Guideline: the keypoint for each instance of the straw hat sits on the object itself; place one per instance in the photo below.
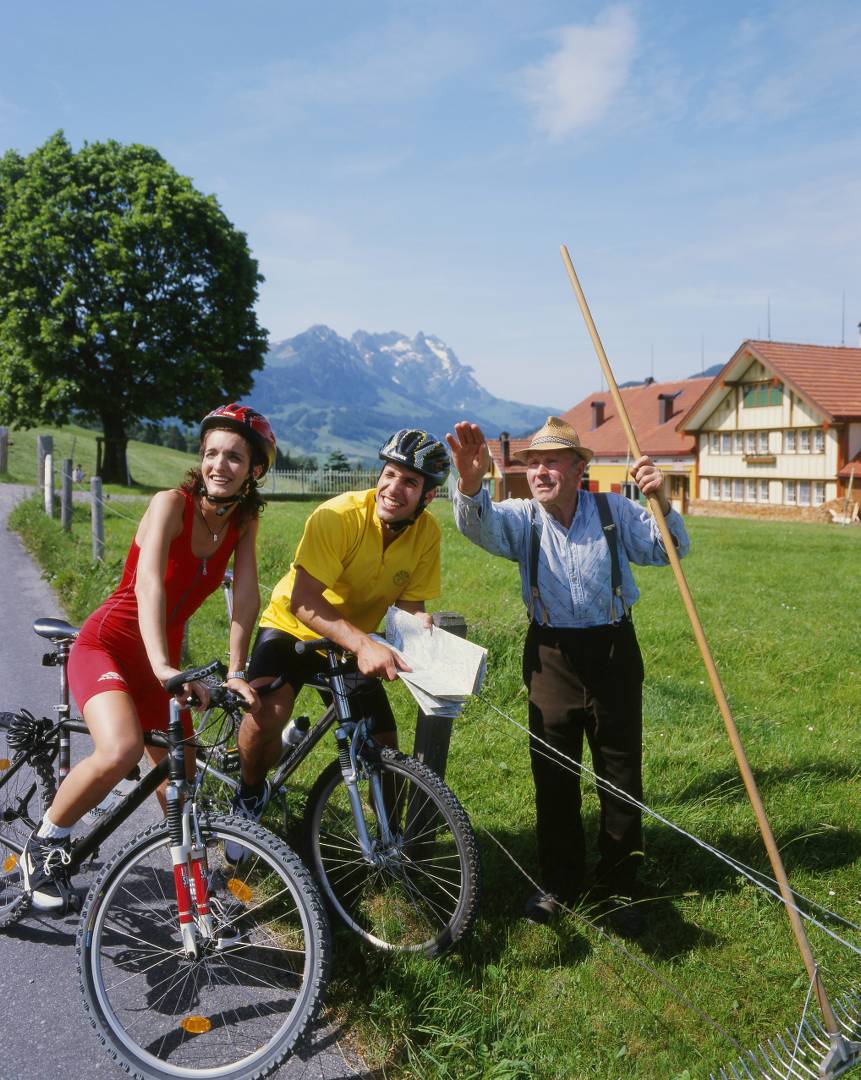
(555, 435)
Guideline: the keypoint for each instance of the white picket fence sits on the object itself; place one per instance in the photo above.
(324, 482)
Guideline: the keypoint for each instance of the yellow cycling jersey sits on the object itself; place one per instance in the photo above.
(342, 546)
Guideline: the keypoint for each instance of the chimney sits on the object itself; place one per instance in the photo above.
(859, 335)
(597, 414)
(504, 446)
(665, 406)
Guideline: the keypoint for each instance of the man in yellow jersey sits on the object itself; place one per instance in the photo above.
(361, 552)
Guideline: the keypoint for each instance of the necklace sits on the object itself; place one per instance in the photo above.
(215, 535)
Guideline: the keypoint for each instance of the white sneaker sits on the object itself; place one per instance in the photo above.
(252, 810)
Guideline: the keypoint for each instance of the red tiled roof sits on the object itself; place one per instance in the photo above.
(608, 440)
(642, 406)
(514, 467)
(830, 376)
(852, 466)
(827, 376)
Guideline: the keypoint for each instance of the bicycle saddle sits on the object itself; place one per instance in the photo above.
(55, 629)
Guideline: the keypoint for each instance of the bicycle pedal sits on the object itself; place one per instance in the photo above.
(228, 760)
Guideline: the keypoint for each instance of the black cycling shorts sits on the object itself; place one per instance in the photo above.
(274, 654)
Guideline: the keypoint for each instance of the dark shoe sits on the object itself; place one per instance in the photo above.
(43, 864)
(626, 917)
(543, 907)
(252, 810)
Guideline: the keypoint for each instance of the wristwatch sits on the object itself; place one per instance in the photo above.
(235, 675)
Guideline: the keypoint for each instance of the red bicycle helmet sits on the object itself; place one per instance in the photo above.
(251, 424)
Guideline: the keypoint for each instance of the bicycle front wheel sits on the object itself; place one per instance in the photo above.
(25, 795)
(235, 1010)
(418, 891)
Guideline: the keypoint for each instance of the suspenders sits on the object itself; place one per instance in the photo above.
(537, 611)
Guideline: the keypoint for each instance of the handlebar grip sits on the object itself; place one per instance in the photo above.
(314, 645)
(192, 675)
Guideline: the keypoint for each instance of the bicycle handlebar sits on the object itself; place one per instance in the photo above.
(314, 645)
(193, 675)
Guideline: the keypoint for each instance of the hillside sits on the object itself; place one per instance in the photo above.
(152, 467)
(323, 392)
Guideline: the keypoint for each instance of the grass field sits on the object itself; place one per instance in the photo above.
(780, 605)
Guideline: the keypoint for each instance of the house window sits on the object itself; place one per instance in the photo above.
(804, 493)
(737, 442)
(819, 441)
(738, 490)
(763, 491)
(762, 442)
(750, 491)
(750, 442)
(789, 492)
(726, 443)
(818, 492)
(789, 441)
(804, 440)
(715, 443)
(725, 489)
(757, 395)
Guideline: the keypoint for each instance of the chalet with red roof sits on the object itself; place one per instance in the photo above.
(780, 425)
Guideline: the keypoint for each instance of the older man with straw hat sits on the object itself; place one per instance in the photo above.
(581, 660)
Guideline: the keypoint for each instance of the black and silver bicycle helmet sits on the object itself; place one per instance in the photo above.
(420, 451)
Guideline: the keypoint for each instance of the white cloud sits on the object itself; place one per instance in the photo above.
(575, 86)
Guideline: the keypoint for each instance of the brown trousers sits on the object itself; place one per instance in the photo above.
(586, 682)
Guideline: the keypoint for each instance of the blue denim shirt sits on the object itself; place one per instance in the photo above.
(574, 563)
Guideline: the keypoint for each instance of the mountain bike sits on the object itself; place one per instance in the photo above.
(190, 966)
(390, 845)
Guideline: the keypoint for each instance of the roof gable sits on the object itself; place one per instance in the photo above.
(826, 377)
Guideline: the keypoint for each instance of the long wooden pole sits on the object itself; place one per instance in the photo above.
(716, 685)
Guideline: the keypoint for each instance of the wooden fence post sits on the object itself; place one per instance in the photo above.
(49, 485)
(66, 495)
(44, 446)
(97, 517)
(433, 733)
(4, 450)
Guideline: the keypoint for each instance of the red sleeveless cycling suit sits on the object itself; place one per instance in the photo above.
(109, 653)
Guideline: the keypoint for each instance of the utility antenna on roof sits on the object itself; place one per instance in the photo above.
(652, 361)
(843, 321)
(702, 353)
(769, 318)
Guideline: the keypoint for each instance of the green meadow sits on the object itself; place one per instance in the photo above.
(780, 606)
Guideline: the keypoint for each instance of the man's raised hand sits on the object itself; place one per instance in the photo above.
(470, 455)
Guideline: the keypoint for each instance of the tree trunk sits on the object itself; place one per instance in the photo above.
(114, 468)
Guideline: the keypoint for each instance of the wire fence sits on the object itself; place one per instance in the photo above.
(325, 482)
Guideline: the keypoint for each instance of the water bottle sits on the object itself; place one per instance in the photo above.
(113, 798)
(295, 731)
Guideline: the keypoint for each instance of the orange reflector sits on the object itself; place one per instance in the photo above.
(196, 1025)
(9, 863)
(240, 890)
(4, 763)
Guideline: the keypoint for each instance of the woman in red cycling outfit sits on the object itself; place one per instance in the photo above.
(130, 646)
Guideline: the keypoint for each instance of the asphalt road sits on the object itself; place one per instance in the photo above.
(43, 1029)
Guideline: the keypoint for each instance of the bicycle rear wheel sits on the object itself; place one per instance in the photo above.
(419, 892)
(25, 795)
(235, 1011)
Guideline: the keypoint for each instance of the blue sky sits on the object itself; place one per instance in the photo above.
(415, 166)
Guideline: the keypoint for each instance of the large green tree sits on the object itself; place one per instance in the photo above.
(125, 293)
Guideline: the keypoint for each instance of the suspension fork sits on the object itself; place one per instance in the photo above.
(348, 758)
(188, 854)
